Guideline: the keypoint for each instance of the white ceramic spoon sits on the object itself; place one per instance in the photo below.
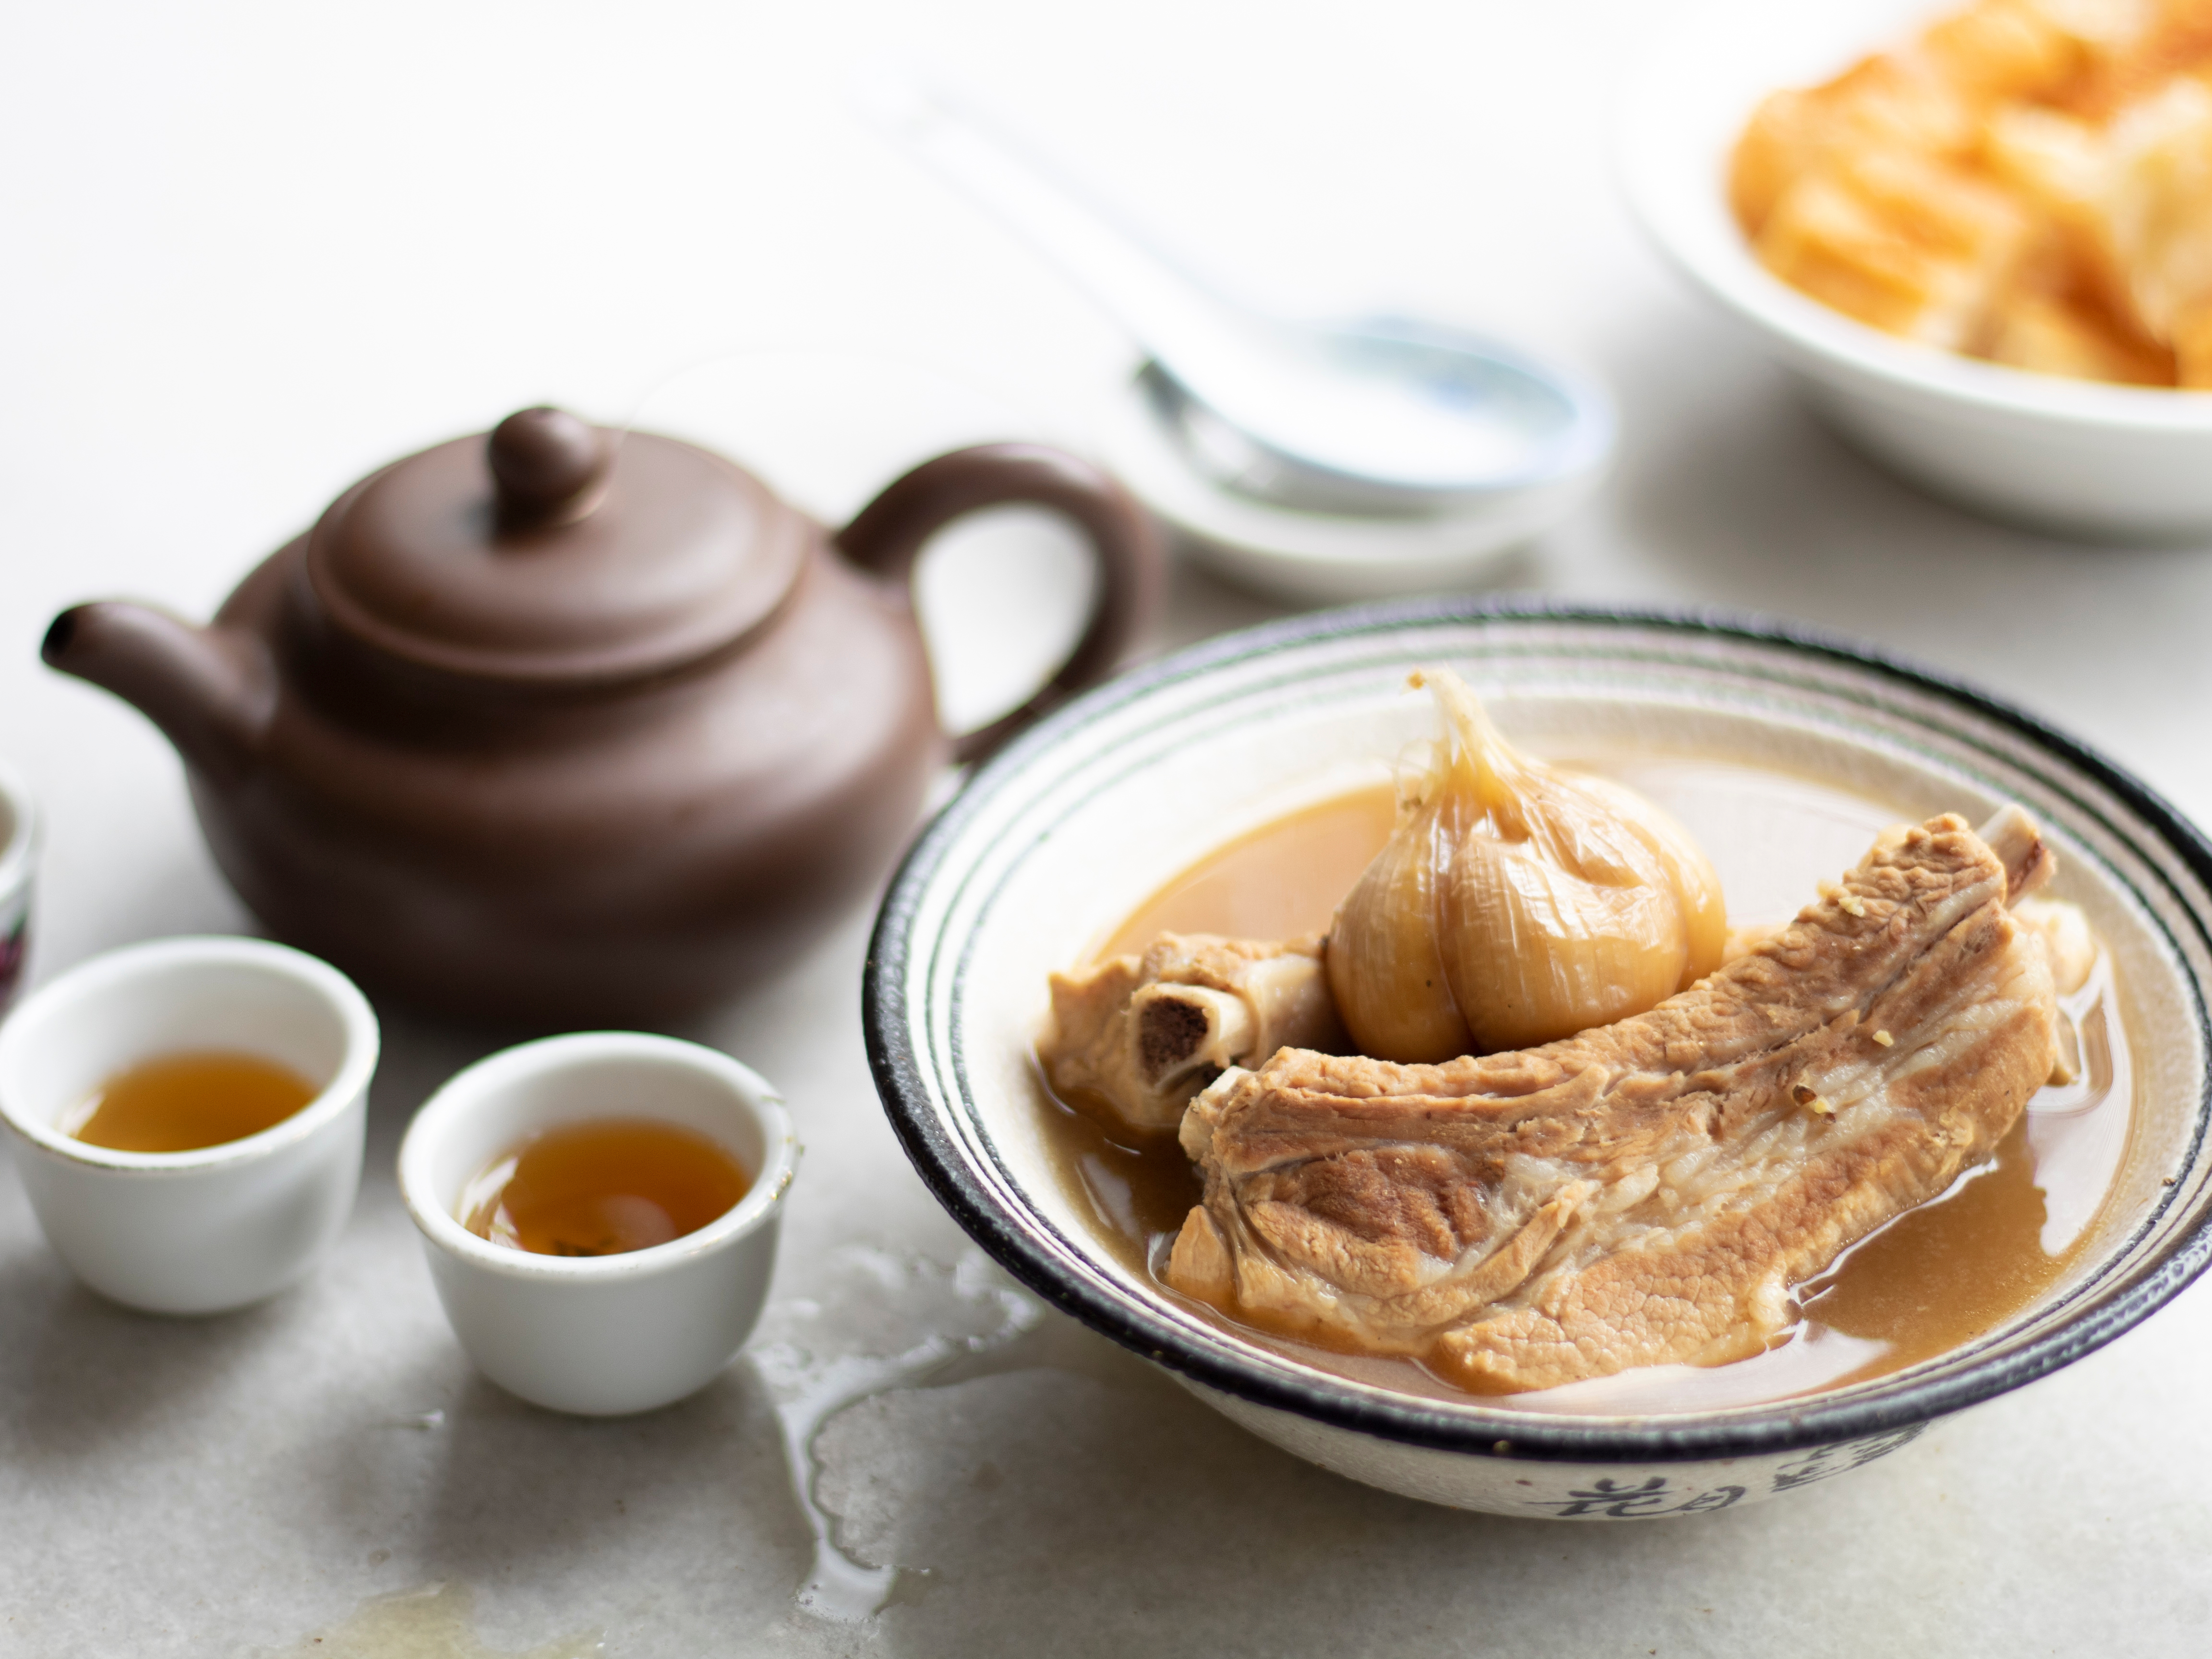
(1387, 415)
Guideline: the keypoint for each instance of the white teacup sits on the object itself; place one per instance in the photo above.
(603, 1335)
(219, 1226)
(19, 857)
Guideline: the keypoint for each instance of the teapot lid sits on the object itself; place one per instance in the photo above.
(551, 551)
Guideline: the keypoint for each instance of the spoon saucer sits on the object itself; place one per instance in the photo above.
(1315, 557)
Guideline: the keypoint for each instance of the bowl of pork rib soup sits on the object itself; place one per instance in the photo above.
(1564, 1062)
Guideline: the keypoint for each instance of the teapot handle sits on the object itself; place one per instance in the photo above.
(890, 532)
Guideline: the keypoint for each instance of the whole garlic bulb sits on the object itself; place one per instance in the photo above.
(1515, 904)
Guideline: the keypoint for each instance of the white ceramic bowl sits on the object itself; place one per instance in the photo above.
(2081, 459)
(1059, 837)
(200, 1232)
(19, 860)
(600, 1336)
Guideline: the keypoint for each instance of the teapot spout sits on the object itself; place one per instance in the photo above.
(211, 690)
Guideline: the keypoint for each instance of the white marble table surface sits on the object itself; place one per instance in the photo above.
(253, 250)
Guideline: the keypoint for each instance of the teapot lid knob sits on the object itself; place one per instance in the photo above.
(550, 468)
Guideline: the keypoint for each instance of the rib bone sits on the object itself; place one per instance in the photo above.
(1144, 1035)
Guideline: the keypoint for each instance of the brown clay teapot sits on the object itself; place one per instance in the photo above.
(562, 726)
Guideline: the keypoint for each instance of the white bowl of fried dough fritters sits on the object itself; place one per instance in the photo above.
(2080, 458)
(1057, 840)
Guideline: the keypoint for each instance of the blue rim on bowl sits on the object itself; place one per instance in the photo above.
(916, 978)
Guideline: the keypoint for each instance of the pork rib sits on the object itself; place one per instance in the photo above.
(1646, 1192)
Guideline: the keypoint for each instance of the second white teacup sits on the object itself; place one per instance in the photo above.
(600, 1335)
(219, 1226)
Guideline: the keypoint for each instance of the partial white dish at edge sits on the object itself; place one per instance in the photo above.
(2077, 458)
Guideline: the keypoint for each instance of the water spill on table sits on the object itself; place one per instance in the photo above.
(884, 1321)
(435, 1623)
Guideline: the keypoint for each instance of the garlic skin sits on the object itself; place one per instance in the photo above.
(1386, 965)
(1697, 884)
(1515, 904)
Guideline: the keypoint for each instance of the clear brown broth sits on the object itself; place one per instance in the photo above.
(1936, 1278)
